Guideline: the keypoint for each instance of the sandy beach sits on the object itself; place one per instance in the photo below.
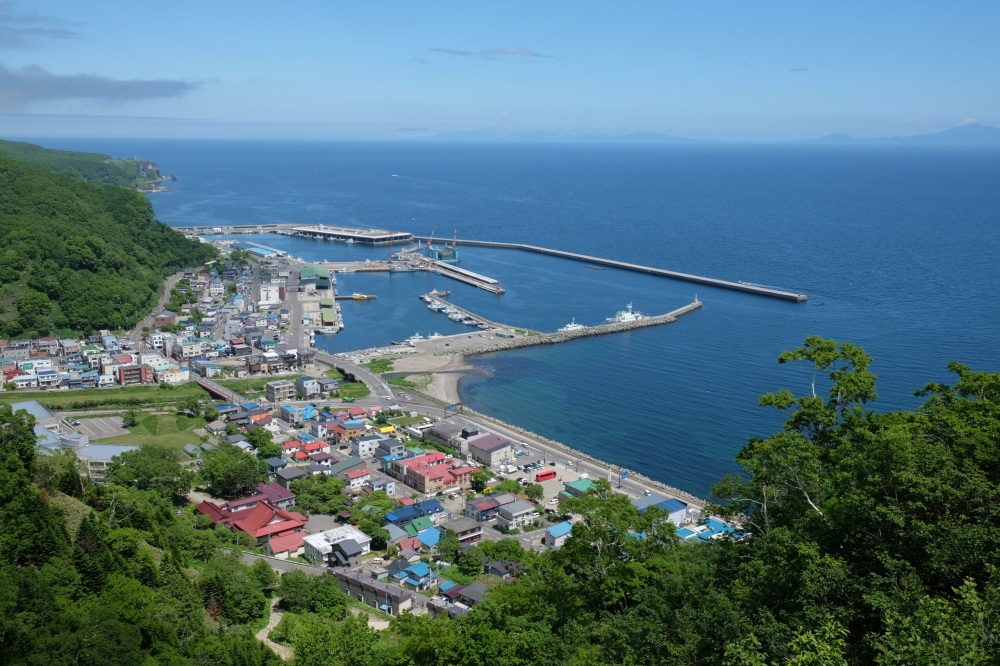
(446, 370)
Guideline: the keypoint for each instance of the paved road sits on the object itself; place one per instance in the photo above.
(283, 566)
(147, 322)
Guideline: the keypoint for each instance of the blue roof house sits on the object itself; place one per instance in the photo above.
(556, 535)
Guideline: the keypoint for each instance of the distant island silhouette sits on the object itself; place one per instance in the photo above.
(972, 134)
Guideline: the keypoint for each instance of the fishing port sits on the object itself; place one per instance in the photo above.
(443, 260)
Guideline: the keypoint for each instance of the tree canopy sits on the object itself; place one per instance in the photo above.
(78, 257)
(864, 537)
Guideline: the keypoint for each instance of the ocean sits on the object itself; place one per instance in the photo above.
(895, 247)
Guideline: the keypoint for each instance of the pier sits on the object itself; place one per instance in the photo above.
(649, 270)
(369, 237)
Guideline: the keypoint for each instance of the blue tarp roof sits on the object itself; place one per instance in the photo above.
(446, 585)
(419, 569)
(430, 537)
(672, 505)
(560, 529)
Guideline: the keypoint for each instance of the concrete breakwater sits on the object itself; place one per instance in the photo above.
(637, 268)
(535, 339)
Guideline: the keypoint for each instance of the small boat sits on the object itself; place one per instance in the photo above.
(416, 337)
(362, 297)
(328, 330)
(435, 336)
(572, 326)
(596, 268)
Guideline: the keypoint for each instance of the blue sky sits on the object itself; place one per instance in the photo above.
(719, 69)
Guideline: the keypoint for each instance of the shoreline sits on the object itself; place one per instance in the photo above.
(447, 371)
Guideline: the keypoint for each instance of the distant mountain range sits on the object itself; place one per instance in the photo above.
(487, 135)
(973, 134)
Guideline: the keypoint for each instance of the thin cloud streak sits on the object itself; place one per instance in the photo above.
(22, 87)
(21, 31)
(511, 52)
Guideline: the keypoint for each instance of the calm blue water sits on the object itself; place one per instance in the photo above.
(895, 247)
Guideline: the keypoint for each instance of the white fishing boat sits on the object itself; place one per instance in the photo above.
(625, 316)
(572, 326)
(435, 336)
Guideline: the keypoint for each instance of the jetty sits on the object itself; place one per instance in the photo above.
(534, 338)
(638, 268)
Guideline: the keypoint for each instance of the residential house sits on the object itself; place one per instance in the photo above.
(365, 446)
(319, 546)
(472, 594)
(307, 387)
(387, 598)
(357, 478)
(556, 535)
(390, 446)
(279, 391)
(517, 514)
(285, 476)
(327, 387)
(445, 433)
(466, 529)
(416, 576)
(286, 546)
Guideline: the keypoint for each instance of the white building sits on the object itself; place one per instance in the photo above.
(318, 546)
(516, 514)
(270, 294)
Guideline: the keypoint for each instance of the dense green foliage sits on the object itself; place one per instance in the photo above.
(229, 472)
(88, 167)
(134, 583)
(871, 538)
(78, 257)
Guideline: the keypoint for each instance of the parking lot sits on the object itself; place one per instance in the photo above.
(101, 427)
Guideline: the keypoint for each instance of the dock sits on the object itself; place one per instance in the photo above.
(369, 237)
(355, 297)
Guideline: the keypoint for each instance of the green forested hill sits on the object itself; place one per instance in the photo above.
(871, 538)
(76, 256)
(90, 167)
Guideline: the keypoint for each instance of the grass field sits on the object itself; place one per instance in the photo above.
(252, 386)
(418, 381)
(354, 390)
(167, 430)
(107, 397)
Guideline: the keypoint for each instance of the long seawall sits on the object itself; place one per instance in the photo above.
(565, 336)
(649, 270)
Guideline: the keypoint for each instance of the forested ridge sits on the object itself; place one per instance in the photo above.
(89, 167)
(78, 257)
(871, 538)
